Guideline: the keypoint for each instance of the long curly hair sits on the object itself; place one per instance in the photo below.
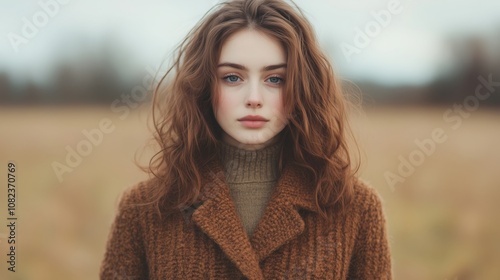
(317, 133)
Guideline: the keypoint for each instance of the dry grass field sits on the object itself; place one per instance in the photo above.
(442, 218)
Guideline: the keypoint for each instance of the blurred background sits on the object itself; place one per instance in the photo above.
(75, 95)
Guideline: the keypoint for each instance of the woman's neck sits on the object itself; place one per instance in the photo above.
(226, 138)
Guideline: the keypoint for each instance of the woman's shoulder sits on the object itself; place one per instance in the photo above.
(137, 194)
(366, 196)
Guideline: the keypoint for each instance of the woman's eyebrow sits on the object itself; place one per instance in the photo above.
(241, 67)
(273, 67)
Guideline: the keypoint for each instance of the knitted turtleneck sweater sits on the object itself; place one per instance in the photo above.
(251, 176)
(209, 240)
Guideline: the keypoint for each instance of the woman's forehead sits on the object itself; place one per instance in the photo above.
(252, 49)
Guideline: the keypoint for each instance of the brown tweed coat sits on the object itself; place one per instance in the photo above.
(209, 241)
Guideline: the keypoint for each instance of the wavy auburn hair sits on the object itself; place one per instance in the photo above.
(315, 138)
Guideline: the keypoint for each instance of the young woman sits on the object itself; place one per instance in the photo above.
(254, 179)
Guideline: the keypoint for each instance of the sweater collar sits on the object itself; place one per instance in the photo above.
(281, 222)
(244, 166)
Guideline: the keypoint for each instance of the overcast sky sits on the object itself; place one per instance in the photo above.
(409, 49)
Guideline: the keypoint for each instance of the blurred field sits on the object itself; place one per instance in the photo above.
(443, 219)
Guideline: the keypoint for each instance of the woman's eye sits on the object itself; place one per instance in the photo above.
(231, 78)
(275, 80)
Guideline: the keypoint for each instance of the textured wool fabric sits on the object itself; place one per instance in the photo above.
(210, 242)
(251, 177)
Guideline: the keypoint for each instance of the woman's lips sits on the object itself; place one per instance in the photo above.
(253, 121)
(253, 124)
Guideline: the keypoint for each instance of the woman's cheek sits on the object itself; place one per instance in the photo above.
(228, 100)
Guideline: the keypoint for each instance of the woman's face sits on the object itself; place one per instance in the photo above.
(251, 73)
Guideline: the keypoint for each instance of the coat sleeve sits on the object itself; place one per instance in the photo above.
(371, 257)
(125, 254)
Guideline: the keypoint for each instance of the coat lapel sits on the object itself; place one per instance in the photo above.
(281, 222)
(219, 219)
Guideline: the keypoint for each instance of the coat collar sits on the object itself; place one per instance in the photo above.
(281, 221)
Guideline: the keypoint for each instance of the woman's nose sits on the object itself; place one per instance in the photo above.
(254, 99)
